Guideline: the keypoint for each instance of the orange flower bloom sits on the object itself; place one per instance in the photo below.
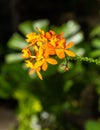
(43, 59)
(31, 37)
(63, 50)
(48, 60)
(49, 49)
(37, 70)
(26, 53)
(42, 48)
(33, 68)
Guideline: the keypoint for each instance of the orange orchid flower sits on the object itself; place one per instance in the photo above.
(37, 70)
(30, 37)
(33, 68)
(49, 49)
(48, 60)
(64, 50)
(26, 53)
(44, 63)
(42, 48)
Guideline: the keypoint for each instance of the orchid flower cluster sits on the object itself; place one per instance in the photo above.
(42, 49)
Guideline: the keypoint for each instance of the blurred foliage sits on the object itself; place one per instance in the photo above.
(41, 103)
(92, 125)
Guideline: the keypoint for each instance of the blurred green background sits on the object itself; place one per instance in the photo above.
(63, 100)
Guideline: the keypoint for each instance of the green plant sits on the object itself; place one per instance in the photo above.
(59, 91)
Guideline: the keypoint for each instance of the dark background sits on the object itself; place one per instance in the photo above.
(12, 12)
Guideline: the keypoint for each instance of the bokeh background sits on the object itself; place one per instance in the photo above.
(62, 101)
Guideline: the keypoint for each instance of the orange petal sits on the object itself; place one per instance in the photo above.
(35, 48)
(60, 53)
(48, 35)
(39, 54)
(46, 54)
(44, 66)
(69, 45)
(60, 35)
(26, 53)
(61, 43)
(29, 64)
(51, 61)
(38, 64)
(52, 32)
(39, 75)
(70, 53)
(49, 48)
(31, 71)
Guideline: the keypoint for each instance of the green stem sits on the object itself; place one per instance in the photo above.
(86, 59)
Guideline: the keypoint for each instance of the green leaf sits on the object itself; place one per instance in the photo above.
(26, 27)
(77, 38)
(95, 31)
(96, 42)
(95, 53)
(68, 28)
(13, 57)
(79, 51)
(92, 125)
(16, 42)
(42, 24)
